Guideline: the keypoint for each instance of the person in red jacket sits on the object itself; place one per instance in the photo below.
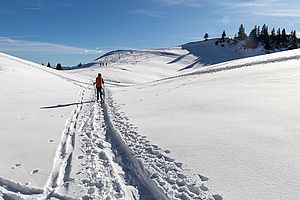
(99, 87)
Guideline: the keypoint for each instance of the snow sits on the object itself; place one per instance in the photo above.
(26, 129)
(234, 122)
(135, 67)
(98, 155)
(209, 53)
(172, 127)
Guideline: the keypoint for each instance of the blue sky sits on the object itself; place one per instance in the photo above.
(73, 31)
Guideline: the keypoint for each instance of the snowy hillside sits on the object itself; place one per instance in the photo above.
(30, 129)
(57, 142)
(227, 130)
(139, 66)
(130, 67)
(235, 122)
(212, 51)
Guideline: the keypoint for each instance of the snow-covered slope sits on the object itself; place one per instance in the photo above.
(235, 122)
(30, 129)
(130, 67)
(57, 142)
(161, 132)
(136, 66)
(209, 53)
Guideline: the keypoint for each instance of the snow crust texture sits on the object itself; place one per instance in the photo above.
(155, 169)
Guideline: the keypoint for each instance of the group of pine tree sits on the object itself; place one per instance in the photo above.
(271, 41)
(59, 66)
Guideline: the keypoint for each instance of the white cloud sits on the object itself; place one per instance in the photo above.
(14, 45)
(191, 3)
(148, 13)
(44, 4)
(275, 8)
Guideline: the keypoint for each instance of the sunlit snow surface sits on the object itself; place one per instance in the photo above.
(169, 122)
(235, 122)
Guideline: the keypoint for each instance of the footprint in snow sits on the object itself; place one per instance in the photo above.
(217, 197)
(34, 171)
(167, 151)
(203, 178)
(16, 165)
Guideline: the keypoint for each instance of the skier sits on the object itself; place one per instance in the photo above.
(99, 87)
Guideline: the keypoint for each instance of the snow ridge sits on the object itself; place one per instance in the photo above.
(162, 175)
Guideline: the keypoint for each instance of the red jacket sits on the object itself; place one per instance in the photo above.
(99, 81)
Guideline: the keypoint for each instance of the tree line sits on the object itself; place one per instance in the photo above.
(59, 66)
(271, 40)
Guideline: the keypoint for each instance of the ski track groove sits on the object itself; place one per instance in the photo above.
(104, 176)
(60, 175)
(10, 189)
(161, 175)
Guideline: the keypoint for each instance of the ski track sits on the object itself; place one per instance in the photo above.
(104, 177)
(117, 162)
(60, 175)
(11, 190)
(162, 175)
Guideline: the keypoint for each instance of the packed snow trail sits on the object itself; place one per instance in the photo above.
(97, 175)
(101, 157)
(162, 175)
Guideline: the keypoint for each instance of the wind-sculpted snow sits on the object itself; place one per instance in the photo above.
(223, 66)
(247, 64)
(162, 175)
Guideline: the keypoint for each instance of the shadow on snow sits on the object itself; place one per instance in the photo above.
(65, 105)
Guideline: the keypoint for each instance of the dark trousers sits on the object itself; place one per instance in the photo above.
(99, 91)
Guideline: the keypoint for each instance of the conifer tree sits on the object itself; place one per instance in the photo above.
(294, 43)
(257, 31)
(58, 66)
(241, 34)
(206, 36)
(272, 39)
(264, 34)
(273, 34)
(252, 41)
(279, 33)
(223, 35)
(283, 38)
